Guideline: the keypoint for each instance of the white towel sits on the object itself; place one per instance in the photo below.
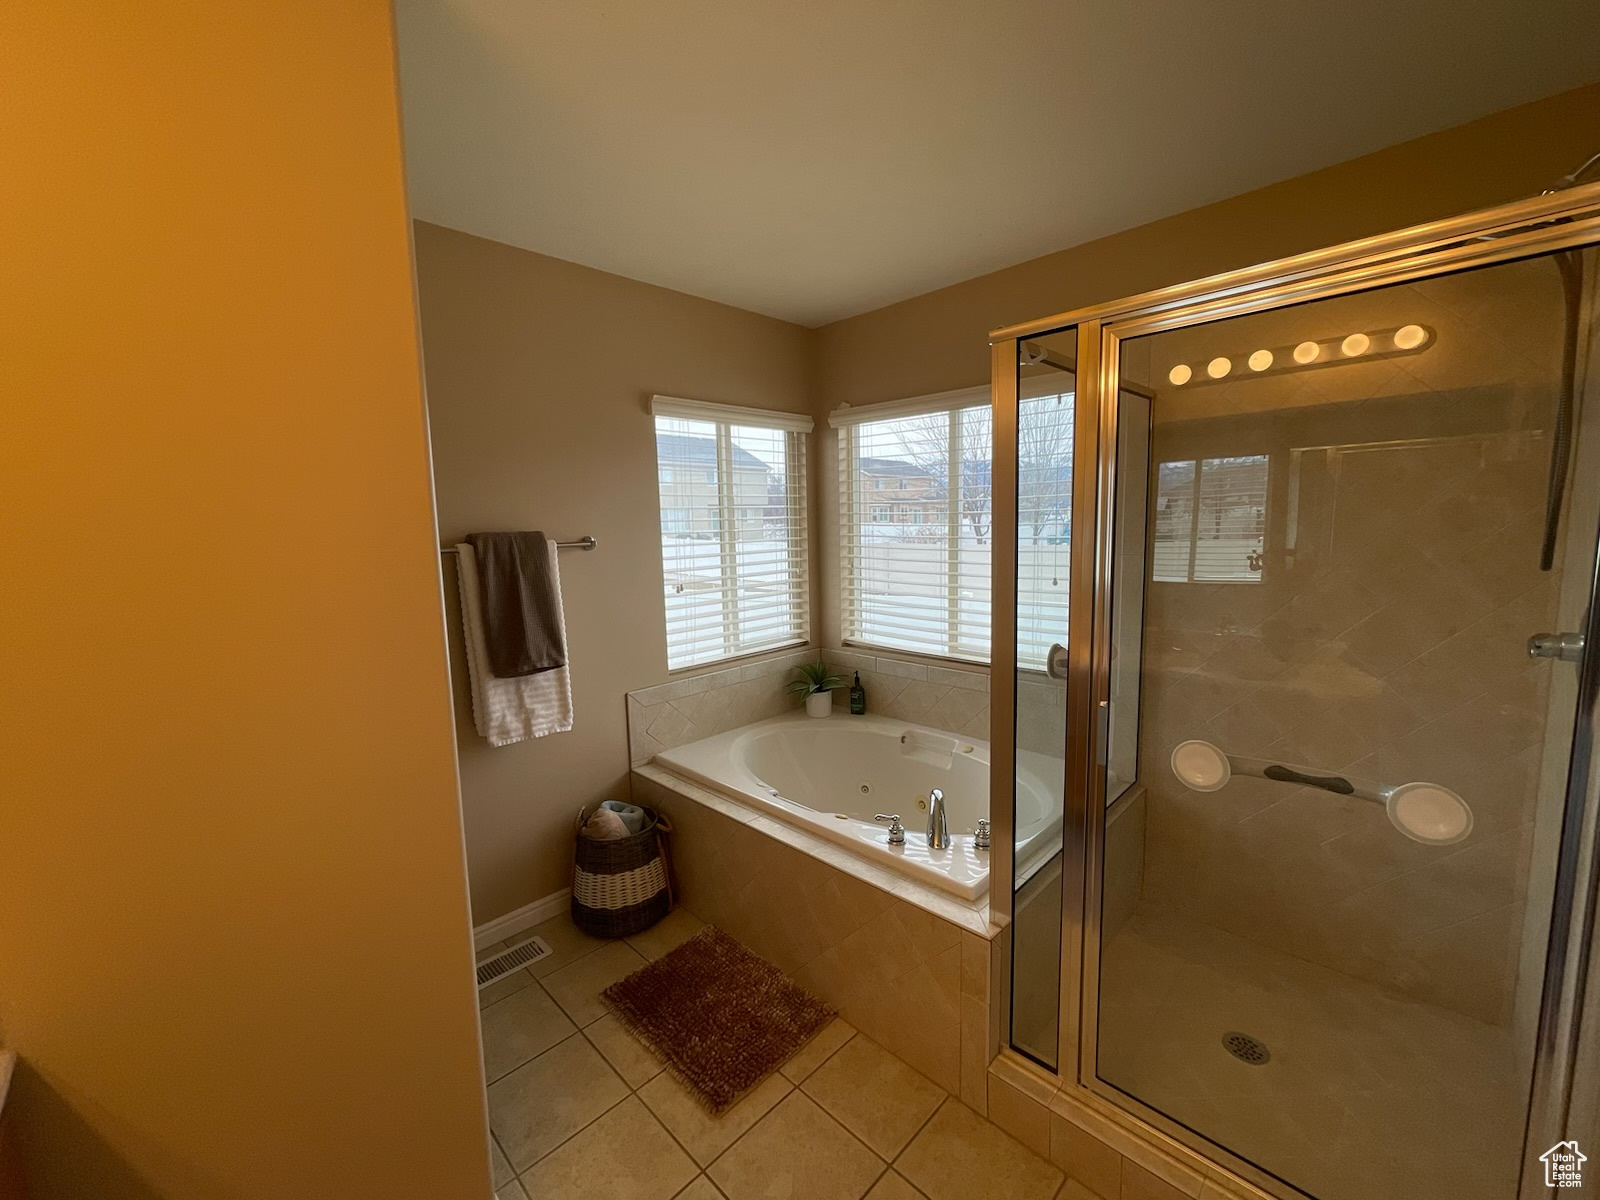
(509, 710)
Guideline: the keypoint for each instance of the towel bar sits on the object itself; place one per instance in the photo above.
(583, 543)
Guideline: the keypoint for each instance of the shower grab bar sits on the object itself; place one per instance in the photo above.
(1425, 812)
(1339, 785)
(583, 543)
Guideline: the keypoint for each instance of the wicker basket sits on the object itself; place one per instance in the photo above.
(622, 886)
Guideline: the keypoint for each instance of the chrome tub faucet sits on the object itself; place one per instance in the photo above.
(938, 826)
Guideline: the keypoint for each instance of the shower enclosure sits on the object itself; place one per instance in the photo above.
(1318, 698)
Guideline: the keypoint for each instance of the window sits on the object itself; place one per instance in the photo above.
(916, 577)
(1210, 520)
(733, 529)
(1044, 525)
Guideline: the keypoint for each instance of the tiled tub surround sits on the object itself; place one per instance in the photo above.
(699, 706)
(908, 965)
(953, 696)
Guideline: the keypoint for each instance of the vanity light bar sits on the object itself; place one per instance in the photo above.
(1305, 356)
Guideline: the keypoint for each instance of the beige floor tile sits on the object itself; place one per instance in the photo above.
(1139, 1184)
(540, 1105)
(874, 1095)
(797, 1152)
(1020, 1115)
(511, 1190)
(676, 928)
(567, 944)
(817, 1051)
(625, 1155)
(1087, 1160)
(701, 1189)
(499, 1169)
(703, 1135)
(628, 1056)
(501, 988)
(577, 988)
(893, 1186)
(960, 1156)
(519, 1029)
(1076, 1191)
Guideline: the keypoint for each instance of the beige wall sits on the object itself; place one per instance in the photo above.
(939, 341)
(538, 376)
(234, 946)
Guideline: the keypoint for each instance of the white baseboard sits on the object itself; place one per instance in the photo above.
(519, 919)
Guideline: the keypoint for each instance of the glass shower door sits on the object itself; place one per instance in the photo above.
(1046, 395)
(1322, 941)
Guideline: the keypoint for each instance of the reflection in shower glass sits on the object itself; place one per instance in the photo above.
(1345, 503)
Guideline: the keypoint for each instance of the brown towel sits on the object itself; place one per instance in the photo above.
(520, 605)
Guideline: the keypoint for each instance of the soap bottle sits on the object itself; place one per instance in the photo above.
(858, 697)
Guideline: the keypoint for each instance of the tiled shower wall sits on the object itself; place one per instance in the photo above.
(1384, 637)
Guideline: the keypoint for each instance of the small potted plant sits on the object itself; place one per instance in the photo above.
(817, 684)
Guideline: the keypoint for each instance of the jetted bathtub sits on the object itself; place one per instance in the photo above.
(830, 776)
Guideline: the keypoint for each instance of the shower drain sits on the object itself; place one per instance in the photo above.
(1248, 1049)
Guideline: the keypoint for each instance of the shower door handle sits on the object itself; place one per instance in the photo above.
(1563, 647)
(1102, 734)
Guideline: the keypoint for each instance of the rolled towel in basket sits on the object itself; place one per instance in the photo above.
(632, 816)
(604, 826)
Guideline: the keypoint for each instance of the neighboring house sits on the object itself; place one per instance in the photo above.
(688, 473)
(897, 492)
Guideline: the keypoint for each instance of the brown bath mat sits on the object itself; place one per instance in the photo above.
(721, 1018)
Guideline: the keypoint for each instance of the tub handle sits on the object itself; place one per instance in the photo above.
(897, 831)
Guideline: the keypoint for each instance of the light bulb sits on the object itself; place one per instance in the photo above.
(1180, 375)
(1306, 352)
(1356, 343)
(1261, 360)
(1218, 367)
(1409, 337)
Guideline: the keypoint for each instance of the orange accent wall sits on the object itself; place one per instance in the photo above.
(234, 943)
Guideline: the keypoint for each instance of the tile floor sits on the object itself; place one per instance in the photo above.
(580, 1110)
(1368, 1094)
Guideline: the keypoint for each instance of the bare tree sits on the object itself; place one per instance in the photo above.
(1044, 464)
(928, 440)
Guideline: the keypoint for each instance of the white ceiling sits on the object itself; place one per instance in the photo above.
(818, 158)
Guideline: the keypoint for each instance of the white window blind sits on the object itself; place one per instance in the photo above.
(733, 529)
(917, 515)
(1211, 520)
